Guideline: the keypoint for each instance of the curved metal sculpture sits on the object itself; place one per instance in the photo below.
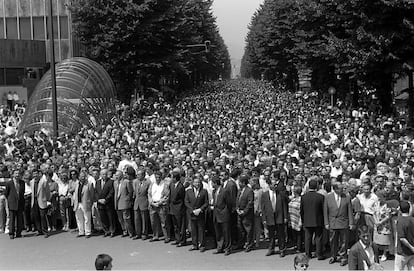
(85, 97)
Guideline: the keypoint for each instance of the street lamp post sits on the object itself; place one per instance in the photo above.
(53, 72)
(332, 92)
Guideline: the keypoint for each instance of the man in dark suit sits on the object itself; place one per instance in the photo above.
(339, 220)
(39, 202)
(244, 207)
(361, 254)
(105, 195)
(15, 198)
(123, 194)
(141, 212)
(221, 214)
(275, 216)
(311, 212)
(177, 209)
(231, 186)
(196, 201)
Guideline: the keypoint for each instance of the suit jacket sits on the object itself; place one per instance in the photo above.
(232, 189)
(123, 197)
(165, 194)
(245, 202)
(88, 196)
(357, 256)
(15, 197)
(43, 193)
(280, 214)
(222, 205)
(176, 199)
(106, 192)
(141, 194)
(200, 202)
(311, 209)
(338, 218)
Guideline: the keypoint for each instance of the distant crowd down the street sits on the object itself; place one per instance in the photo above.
(245, 162)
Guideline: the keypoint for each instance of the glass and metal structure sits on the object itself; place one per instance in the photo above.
(85, 98)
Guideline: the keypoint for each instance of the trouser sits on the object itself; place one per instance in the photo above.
(124, 217)
(403, 262)
(279, 231)
(169, 226)
(245, 231)
(4, 214)
(142, 222)
(83, 219)
(27, 213)
(39, 217)
(158, 217)
(96, 218)
(309, 232)
(257, 229)
(64, 211)
(233, 228)
(16, 222)
(223, 236)
(339, 239)
(107, 219)
(297, 237)
(197, 232)
(178, 222)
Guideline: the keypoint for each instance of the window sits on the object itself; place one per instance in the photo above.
(25, 29)
(2, 83)
(55, 27)
(64, 27)
(38, 28)
(11, 25)
(1, 28)
(14, 76)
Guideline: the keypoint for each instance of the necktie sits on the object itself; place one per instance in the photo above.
(338, 200)
(196, 193)
(217, 192)
(16, 184)
(273, 200)
(119, 189)
(35, 187)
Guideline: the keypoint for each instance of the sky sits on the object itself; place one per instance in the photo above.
(233, 17)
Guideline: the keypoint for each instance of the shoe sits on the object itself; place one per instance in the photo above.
(321, 258)
(218, 251)
(248, 249)
(19, 236)
(47, 235)
(193, 248)
(136, 237)
(154, 240)
(343, 263)
(112, 235)
(124, 235)
(332, 260)
(80, 235)
(173, 243)
(167, 240)
(270, 253)
(145, 237)
(227, 253)
(282, 254)
(106, 234)
(12, 237)
(88, 236)
(202, 249)
(180, 244)
(382, 259)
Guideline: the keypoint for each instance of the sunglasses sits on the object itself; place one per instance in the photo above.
(303, 265)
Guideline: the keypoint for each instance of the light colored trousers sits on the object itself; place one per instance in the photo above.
(4, 215)
(83, 219)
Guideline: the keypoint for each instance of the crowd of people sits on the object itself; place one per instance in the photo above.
(241, 161)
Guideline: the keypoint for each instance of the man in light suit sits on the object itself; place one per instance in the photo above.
(339, 220)
(196, 201)
(15, 199)
(275, 216)
(83, 199)
(39, 202)
(158, 193)
(123, 200)
(141, 213)
(244, 208)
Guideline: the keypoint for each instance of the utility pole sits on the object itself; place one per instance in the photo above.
(53, 72)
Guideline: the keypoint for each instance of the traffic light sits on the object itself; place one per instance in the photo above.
(207, 46)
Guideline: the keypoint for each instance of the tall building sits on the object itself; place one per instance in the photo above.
(24, 42)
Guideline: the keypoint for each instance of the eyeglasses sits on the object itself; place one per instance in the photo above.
(303, 265)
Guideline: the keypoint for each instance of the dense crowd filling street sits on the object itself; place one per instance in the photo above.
(242, 163)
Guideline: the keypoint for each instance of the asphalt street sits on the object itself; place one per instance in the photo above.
(65, 251)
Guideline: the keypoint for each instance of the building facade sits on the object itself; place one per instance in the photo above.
(24, 34)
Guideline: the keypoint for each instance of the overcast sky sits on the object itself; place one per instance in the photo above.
(233, 17)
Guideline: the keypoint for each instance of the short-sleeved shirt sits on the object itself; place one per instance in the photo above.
(405, 229)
